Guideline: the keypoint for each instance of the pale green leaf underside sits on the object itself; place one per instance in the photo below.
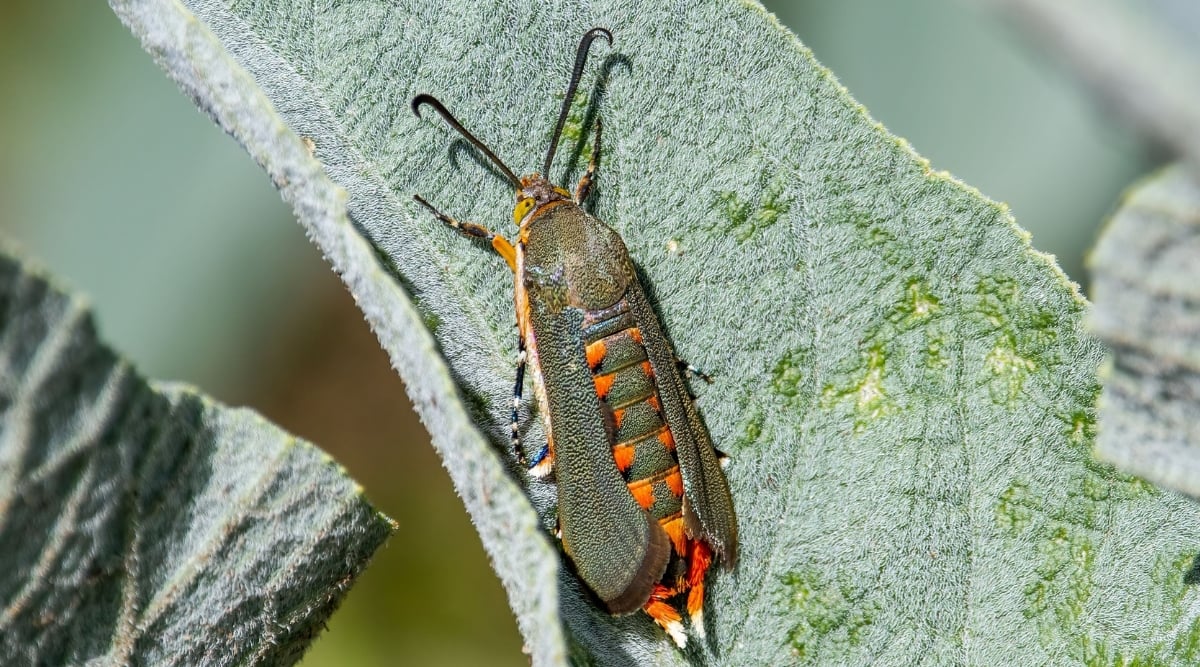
(1147, 284)
(148, 525)
(905, 388)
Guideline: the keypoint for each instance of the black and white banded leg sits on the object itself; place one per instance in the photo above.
(518, 390)
(541, 464)
(692, 371)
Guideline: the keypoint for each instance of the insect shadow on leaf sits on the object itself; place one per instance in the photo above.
(1192, 577)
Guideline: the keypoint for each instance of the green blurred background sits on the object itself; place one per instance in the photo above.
(198, 272)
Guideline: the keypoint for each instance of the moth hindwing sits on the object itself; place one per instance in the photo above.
(643, 504)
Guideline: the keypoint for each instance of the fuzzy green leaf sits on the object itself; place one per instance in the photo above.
(1147, 283)
(904, 386)
(147, 525)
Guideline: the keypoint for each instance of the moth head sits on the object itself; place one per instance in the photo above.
(534, 192)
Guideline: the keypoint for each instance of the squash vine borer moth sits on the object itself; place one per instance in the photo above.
(643, 504)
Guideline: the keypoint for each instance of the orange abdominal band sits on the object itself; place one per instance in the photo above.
(667, 440)
(623, 455)
(595, 354)
(643, 492)
(674, 528)
(675, 483)
(618, 415)
(604, 384)
(643, 489)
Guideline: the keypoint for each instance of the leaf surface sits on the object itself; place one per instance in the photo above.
(904, 386)
(144, 524)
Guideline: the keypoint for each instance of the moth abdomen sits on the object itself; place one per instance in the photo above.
(644, 452)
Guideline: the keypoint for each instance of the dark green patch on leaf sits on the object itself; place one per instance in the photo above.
(744, 218)
(831, 616)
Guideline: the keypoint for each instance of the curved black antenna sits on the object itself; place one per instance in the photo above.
(453, 122)
(580, 59)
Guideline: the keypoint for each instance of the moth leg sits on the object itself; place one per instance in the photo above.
(665, 615)
(701, 558)
(692, 371)
(500, 244)
(542, 462)
(584, 188)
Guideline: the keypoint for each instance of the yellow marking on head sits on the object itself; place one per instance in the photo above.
(524, 204)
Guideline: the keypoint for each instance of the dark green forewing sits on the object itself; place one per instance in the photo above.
(707, 503)
(573, 262)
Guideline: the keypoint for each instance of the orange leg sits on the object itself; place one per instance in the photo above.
(697, 567)
(500, 244)
(665, 615)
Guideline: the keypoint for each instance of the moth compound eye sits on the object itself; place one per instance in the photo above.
(521, 209)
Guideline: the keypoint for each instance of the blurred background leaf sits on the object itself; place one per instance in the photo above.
(1146, 269)
(93, 133)
(1141, 59)
(970, 96)
(146, 524)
